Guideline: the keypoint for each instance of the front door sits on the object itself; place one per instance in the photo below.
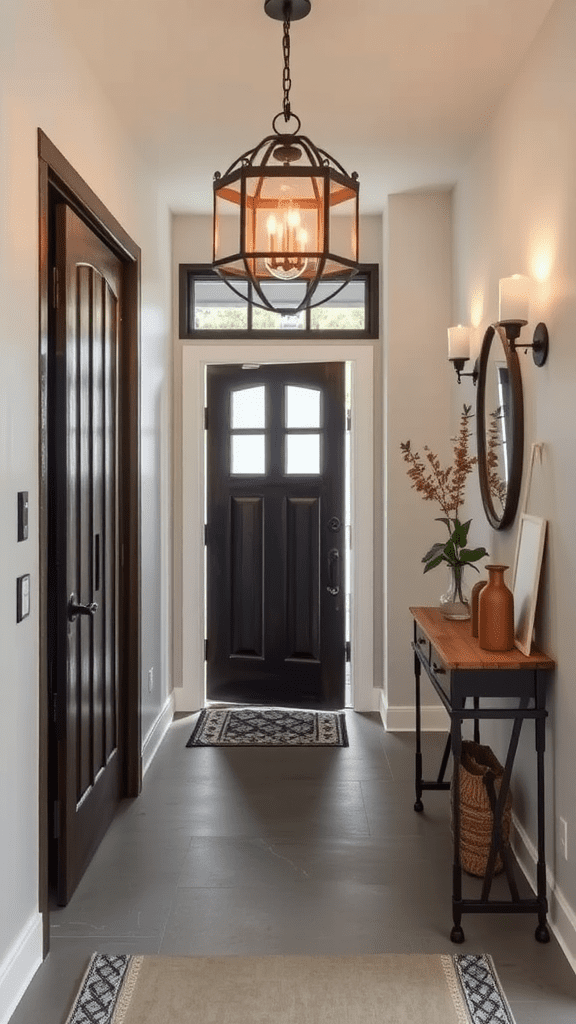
(83, 558)
(275, 535)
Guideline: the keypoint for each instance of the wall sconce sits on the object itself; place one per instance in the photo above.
(459, 351)
(513, 316)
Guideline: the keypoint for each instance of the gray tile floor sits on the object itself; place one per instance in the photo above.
(262, 851)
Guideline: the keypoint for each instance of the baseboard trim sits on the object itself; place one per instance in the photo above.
(403, 719)
(157, 733)
(19, 966)
(561, 916)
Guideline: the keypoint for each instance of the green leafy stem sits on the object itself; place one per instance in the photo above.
(454, 552)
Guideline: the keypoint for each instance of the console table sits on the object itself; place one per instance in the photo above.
(471, 683)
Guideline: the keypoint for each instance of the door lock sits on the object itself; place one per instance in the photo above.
(333, 572)
(75, 609)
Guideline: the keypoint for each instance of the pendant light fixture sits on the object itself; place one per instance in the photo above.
(286, 210)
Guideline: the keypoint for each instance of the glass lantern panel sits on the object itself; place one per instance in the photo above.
(302, 407)
(343, 229)
(226, 224)
(248, 409)
(248, 454)
(287, 295)
(303, 454)
(288, 218)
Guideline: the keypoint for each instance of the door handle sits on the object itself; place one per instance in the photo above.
(333, 572)
(75, 609)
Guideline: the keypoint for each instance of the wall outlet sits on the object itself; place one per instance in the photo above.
(150, 680)
(563, 834)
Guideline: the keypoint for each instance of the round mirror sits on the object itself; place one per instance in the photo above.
(500, 428)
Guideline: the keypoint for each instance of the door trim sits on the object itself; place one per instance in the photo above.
(189, 696)
(54, 172)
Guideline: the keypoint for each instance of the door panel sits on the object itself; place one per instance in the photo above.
(275, 484)
(302, 577)
(84, 561)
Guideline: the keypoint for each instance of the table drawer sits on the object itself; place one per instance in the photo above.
(437, 667)
(424, 645)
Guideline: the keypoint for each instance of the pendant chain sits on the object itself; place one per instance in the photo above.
(286, 79)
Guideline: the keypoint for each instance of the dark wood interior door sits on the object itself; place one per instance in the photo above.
(83, 547)
(275, 535)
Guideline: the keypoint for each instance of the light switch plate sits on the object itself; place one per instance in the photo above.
(22, 515)
(22, 597)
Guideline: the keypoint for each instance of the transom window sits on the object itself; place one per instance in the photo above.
(209, 308)
(302, 432)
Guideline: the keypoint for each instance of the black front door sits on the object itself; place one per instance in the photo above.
(275, 535)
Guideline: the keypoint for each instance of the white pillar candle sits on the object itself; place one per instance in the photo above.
(514, 298)
(459, 342)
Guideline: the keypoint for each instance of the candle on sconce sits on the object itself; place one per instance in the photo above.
(514, 298)
(459, 342)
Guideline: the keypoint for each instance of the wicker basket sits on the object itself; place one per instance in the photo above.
(480, 771)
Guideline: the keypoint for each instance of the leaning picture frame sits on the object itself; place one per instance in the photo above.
(527, 565)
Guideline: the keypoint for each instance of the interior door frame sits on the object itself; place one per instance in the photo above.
(190, 695)
(55, 172)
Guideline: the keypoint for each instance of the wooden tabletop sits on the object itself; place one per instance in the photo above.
(458, 649)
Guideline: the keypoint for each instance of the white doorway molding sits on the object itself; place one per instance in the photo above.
(190, 695)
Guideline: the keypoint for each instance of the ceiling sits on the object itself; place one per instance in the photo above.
(397, 90)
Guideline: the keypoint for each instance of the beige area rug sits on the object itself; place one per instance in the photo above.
(387, 989)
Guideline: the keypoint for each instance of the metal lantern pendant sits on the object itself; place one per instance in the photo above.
(286, 210)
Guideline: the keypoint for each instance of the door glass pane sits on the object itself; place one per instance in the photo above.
(248, 409)
(248, 454)
(303, 453)
(302, 407)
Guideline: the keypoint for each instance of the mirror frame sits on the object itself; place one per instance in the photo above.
(517, 430)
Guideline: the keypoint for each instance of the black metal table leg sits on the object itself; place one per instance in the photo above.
(418, 806)
(542, 933)
(457, 933)
(499, 805)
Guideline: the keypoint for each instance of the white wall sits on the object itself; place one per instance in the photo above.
(515, 212)
(417, 382)
(44, 84)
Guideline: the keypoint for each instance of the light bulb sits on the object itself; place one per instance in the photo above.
(293, 218)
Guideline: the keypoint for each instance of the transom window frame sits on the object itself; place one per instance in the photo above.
(189, 273)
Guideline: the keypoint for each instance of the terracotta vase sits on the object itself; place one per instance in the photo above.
(496, 612)
(474, 604)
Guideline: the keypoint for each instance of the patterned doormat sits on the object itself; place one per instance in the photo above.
(392, 989)
(269, 727)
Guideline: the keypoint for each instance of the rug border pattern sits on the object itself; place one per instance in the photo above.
(97, 1007)
(475, 991)
(217, 739)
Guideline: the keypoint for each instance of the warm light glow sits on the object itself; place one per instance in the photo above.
(286, 235)
(293, 218)
(477, 307)
(541, 264)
